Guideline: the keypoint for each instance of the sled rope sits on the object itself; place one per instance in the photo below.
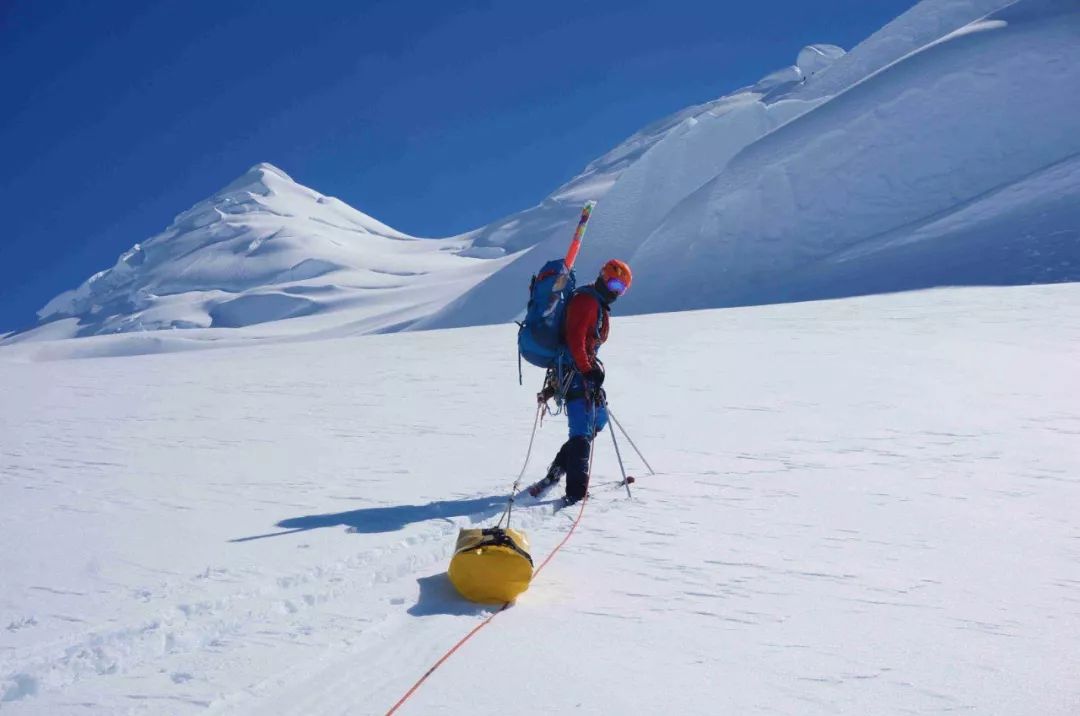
(500, 610)
(443, 658)
(528, 453)
(564, 540)
(481, 625)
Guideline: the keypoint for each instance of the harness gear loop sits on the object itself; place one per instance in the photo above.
(556, 385)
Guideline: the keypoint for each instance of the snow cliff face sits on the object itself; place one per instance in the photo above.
(942, 150)
(951, 134)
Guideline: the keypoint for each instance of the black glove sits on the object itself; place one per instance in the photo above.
(595, 378)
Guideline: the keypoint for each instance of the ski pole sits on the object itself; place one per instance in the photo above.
(631, 440)
(625, 480)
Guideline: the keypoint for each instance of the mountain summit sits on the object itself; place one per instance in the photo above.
(263, 248)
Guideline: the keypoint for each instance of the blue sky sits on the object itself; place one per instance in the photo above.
(434, 117)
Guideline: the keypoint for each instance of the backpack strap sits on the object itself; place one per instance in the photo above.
(604, 310)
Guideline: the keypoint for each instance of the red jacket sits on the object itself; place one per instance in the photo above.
(586, 329)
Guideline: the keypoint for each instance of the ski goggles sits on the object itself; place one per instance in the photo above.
(616, 286)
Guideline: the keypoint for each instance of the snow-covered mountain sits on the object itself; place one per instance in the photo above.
(943, 150)
(265, 248)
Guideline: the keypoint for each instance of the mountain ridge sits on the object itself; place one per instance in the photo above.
(748, 198)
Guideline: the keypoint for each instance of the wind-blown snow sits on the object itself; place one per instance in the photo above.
(817, 58)
(845, 173)
(863, 506)
(760, 197)
(914, 150)
(924, 23)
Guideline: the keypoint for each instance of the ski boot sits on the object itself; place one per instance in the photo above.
(567, 500)
(552, 477)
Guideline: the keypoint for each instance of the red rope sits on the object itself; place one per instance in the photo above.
(487, 621)
(564, 539)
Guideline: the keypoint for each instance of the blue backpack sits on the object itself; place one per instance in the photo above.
(540, 339)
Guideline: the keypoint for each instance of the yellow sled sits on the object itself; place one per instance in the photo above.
(491, 566)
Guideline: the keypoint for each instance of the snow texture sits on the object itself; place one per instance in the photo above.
(862, 506)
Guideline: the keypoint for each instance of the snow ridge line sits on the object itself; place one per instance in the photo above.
(450, 652)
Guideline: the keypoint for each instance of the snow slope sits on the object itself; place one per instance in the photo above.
(784, 191)
(926, 22)
(863, 506)
(915, 149)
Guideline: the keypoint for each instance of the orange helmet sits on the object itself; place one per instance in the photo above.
(616, 276)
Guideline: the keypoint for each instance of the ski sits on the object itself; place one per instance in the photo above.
(575, 246)
(579, 234)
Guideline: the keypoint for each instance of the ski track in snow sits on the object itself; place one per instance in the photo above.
(865, 506)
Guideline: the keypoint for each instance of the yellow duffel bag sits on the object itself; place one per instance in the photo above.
(492, 565)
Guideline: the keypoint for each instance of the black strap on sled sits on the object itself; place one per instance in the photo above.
(497, 537)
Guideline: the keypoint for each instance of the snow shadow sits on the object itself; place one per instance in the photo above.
(438, 596)
(369, 520)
